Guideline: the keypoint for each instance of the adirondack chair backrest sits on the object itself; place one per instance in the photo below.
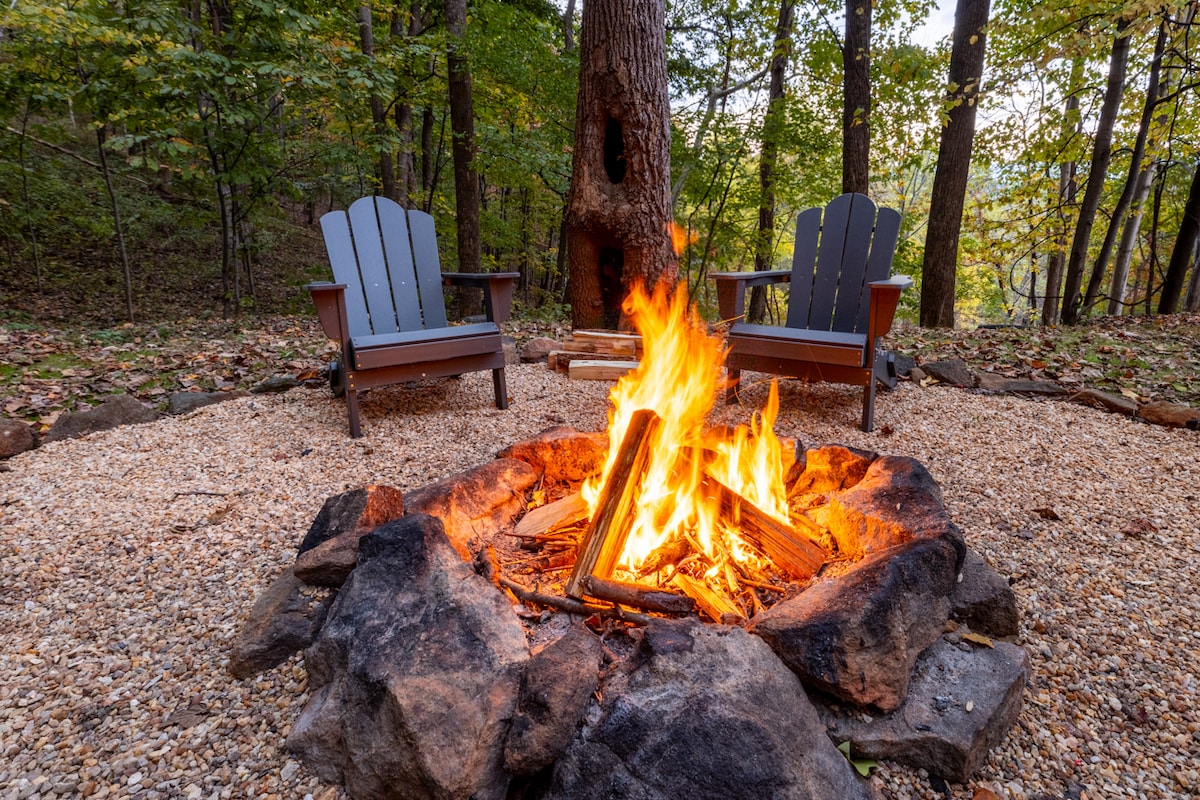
(388, 259)
(839, 250)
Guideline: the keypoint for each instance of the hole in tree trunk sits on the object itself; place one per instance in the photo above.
(612, 268)
(614, 151)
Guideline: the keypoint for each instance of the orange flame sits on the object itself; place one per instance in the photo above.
(679, 378)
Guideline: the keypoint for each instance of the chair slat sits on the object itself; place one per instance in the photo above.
(364, 224)
(335, 228)
(829, 262)
(879, 267)
(852, 282)
(804, 260)
(393, 226)
(429, 268)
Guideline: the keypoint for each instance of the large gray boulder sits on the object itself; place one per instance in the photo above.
(984, 600)
(961, 703)
(704, 712)
(414, 674)
(121, 409)
(329, 550)
(284, 620)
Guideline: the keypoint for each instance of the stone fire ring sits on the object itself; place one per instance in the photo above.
(423, 683)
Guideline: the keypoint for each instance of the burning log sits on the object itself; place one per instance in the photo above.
(714, 605)
(613, 518)
(795, 554)
(631, 594)
(572, 606)
(546, 521)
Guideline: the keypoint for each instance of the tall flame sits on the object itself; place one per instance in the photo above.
(679, 378)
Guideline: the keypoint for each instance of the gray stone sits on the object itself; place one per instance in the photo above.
(329, 549)
(903, 364)
(960, 704)
(555, 691)
(475, 504)
(16, 437)
(954, 372)
(121, 409)
(274, 384)
(703, 712)
(284, 620)
(414, 676)
(538, 349)
(185, 402)
(561, 454)
(983, 599)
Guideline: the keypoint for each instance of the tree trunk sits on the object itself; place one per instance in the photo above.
(1192, 304)
(773, 122)
(118, 226)
(1067, 192)
(1133, 222)
(938, 271)
(619, 206)
(1101, 154)
(385, 169)
(856, 86)
(1132, 180)
(462, 124)
(1181, 253)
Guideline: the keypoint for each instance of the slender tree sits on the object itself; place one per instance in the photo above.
(462, 123)
(1181, 253)
(856, 83)
(938, 272)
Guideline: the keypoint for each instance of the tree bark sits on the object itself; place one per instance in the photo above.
(462, 124)
(773, 121)
(385, 167)
(1067, 191)
(1133, 222)
(1133, 181)
(619, 205)
(938, 271)
(1101, 155)
(1181, 253)
(856, 87)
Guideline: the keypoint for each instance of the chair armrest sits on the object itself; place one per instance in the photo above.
(885, 296)
(731, 289)
(497, 288)
(330, 300)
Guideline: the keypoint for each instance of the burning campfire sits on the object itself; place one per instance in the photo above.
(682, 514)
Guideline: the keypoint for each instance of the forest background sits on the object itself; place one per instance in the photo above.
(161, 161)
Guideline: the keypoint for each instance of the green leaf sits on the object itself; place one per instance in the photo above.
(862, 765)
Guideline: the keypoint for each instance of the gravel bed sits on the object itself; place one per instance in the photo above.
(129, 559)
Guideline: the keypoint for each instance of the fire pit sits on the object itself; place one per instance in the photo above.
(665, 610)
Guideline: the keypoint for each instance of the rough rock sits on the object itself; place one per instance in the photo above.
(16, 437)
(858, 635)
(983, 599)
(284, 620)
(831, 469)
(960, 705)
(953, 371)
(538, 349)
(703, 712)
(561, 454)
(121, 409)
(185, 402)
(555, 691)
(475, 504)
(275, 383)
(1172, 415)
(903, 364)
(329, 549)
(999, 384)
(414, 675)
(1117, 403)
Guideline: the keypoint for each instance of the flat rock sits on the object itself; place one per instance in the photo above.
(16, 437)
(983, 599)
(1117, 403)
(561, 454)
(961, 703)
(704, 712)
(1171, 415)
(953, 371)
(538, 349)
(475, 504)
(121, 409)
(415, 674)
(284, 620)
(998, 384)
(555, 691)
(185, 402)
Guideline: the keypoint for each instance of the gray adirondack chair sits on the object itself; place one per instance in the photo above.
(842, 300)
(387, 307)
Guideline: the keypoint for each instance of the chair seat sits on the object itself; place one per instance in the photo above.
(773, 341)
(431, 344)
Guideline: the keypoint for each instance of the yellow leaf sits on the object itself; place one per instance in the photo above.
(973, 39)
(978, 638)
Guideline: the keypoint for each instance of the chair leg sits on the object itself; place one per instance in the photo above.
(501, 388)
(868, 417)
(734, 376)
(352, 410)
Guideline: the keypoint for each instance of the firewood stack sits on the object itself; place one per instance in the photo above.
(597, 355)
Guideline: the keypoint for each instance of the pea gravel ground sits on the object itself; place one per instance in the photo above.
(129, 559)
